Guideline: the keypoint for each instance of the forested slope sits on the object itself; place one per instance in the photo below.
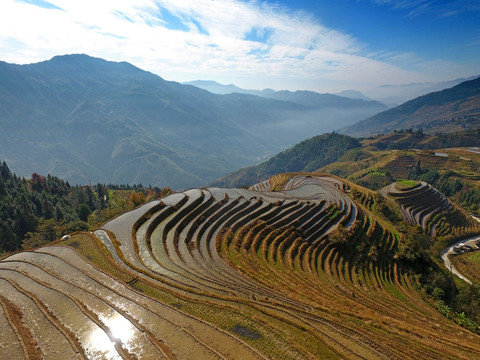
(307, 155)
(40, 209)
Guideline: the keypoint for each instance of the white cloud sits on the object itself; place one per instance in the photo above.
(252, 43)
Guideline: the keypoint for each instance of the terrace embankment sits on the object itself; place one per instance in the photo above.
(292, 268)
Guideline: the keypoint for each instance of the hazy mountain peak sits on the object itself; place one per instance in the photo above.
(74, 66)
(217, 88)
(353, 94)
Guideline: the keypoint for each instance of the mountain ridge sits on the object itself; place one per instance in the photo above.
(399, 94)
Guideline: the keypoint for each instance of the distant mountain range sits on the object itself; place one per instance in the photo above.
(389, 95)
(449, 110)
(86, 120)
(307, 98)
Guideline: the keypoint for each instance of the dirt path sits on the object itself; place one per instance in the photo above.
(449, 251)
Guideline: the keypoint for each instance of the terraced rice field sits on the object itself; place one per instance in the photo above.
(419, 202)
(302, 272)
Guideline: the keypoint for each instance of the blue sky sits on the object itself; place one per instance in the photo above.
(321, 45)
(436, 30)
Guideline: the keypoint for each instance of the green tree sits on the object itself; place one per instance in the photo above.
(83, 211)
(76, 226)
(48, 230)
(414, 245)
(339, 236)
(8, 239)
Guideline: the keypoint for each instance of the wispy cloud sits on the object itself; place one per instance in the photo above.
(252, 42)
(439, 8)
(41, 3)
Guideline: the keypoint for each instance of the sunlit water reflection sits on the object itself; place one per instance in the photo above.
(122, 329)
(101, 345)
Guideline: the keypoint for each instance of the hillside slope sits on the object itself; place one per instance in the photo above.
(308, 271)
(321, 150)
(452, 109)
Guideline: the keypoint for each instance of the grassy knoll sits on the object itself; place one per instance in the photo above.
(406, 184)
(468, 264)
